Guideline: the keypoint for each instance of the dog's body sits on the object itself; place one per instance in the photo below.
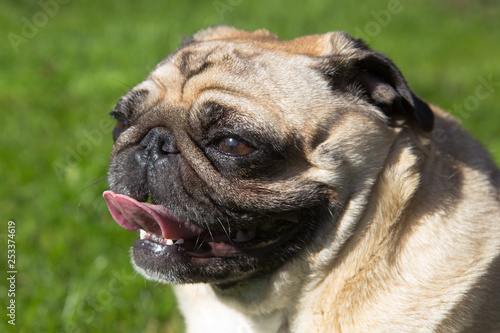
(312, 191)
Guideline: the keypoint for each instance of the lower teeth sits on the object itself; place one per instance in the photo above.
(146, 235)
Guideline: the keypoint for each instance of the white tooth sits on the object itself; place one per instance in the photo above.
(170, 242)
(143, 233)
(180, 241)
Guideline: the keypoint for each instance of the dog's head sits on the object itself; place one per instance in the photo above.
(240, 151)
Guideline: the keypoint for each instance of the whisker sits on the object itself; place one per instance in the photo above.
(228, 234)
(196, 243)
(84, 191)
(210, 232)
(203, 241)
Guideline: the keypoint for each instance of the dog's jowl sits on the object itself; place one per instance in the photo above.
(298, 186)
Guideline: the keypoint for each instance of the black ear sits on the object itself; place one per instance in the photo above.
(378, 80)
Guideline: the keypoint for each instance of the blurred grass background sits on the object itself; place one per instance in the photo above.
(64, 64)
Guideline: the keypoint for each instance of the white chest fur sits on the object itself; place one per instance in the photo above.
(204, 312)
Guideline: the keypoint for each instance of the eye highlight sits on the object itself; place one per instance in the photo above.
(234, 147)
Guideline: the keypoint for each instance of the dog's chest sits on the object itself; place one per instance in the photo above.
(203, 312)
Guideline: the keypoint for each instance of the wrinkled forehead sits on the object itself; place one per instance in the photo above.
(245, 69)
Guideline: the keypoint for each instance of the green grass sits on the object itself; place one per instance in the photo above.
(56, 90)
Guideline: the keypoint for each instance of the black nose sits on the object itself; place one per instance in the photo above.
(158, 143)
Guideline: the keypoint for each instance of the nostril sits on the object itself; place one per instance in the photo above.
(170, 148)
(160, 140)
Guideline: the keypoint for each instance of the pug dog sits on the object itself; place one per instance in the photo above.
(301, 186)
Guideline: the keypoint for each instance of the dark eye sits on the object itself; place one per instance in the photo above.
(121, 124)
(234, 147)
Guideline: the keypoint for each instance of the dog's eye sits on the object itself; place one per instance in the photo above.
(234, 147)
(121, 124)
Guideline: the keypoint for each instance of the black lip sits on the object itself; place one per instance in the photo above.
(172, 265)
(175, 253)
(156, 249)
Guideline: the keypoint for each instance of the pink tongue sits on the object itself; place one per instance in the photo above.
(155, 219)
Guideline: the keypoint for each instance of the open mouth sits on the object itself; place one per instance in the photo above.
(163, 231)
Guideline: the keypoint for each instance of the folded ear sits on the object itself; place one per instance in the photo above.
(375, 78)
